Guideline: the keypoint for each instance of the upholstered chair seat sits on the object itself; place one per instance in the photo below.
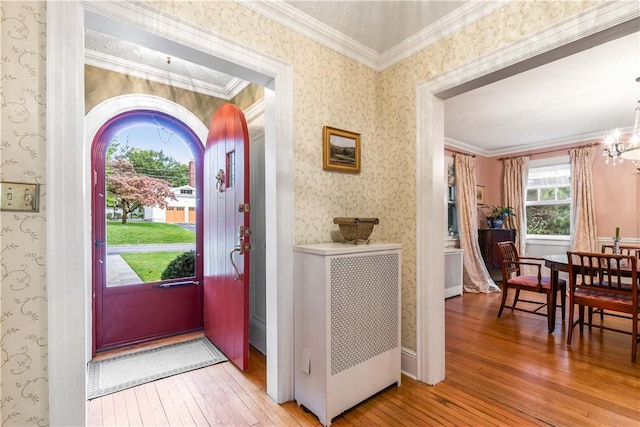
(532, 281)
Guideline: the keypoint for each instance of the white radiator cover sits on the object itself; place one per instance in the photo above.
(453, 272)
(347, 324)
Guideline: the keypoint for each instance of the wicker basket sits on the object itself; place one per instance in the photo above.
(355, 229)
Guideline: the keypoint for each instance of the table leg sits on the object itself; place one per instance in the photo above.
(551, 310)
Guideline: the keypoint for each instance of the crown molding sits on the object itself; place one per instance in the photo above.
(135, 69)
(315, 30)
(515, 56)
(466, 148)
(540, 145)
(460, 18)
(301, 23)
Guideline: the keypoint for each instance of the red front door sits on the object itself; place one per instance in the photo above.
(128, 313)
(227, 235)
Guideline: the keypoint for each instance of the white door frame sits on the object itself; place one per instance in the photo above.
(430, 185)
(68, 205)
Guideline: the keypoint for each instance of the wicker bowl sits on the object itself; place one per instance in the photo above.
(356, 229)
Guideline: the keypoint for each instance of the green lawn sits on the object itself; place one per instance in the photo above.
(149, 265)
(140, 233)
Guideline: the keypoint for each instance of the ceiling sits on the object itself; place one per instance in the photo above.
(570, 99)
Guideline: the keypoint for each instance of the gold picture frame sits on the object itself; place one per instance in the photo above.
(480, 194)
(340, 150)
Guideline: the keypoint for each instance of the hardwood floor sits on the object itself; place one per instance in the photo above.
(506, 371)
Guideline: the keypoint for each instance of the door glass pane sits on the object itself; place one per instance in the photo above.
(151, 189)
(231, 169)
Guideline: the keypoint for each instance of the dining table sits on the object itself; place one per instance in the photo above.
(557, 263)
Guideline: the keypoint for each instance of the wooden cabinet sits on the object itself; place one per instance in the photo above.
(488, 239)
(347, 324)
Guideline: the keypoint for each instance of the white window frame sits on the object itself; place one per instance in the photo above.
(550, 161)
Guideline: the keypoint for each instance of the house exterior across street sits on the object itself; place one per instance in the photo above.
(183, 209)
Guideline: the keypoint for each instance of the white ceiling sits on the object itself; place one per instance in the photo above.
(378, 25)
(573, 98)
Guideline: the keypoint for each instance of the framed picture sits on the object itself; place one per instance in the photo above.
(340, 150)
(480, 194)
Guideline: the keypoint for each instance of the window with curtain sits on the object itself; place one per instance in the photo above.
(548, 199)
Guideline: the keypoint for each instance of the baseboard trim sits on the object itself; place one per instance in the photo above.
(409, 363)
(453, 291)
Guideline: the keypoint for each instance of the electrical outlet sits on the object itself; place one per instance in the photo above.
(19, 197)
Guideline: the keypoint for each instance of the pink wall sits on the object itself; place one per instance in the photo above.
(617, 193)
(616, 190)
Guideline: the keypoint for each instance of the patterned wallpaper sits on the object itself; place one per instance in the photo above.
(329, 89)
(24, 395)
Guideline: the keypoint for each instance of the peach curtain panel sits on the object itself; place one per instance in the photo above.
(476, 278)
(516, 172)
(584, 233)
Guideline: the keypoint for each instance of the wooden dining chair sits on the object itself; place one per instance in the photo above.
(630, 250)
(513, 277)
(601, 281)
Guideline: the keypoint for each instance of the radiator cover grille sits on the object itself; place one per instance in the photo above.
(364, 308)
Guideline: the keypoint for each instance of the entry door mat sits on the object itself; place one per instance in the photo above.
(129, 370)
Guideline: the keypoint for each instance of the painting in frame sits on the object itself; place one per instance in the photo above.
(340, 150)
(480, 194)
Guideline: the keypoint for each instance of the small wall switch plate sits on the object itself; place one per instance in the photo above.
(19, 197)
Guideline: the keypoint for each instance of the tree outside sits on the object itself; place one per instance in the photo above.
(549, 220)
(132, 190)
(158, 165)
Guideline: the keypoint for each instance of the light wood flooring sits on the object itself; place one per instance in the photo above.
(506, 371)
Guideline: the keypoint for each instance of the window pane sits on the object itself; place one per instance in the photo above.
(452, 220)
(452, 216)
(564, 193)
(547, 194)
(548, 220)
(532, 195)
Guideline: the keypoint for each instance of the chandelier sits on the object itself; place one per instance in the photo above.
(619, 147)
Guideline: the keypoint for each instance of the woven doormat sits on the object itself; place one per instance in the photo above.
(129, 370)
